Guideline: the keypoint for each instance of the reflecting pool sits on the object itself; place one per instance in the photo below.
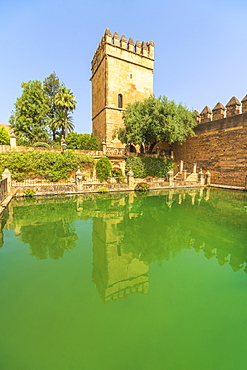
(124, 281)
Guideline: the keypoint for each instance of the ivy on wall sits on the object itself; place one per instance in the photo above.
(147, 166)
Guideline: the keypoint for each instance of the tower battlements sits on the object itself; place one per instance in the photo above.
(232, 108)
(114, 45)
(122, 73)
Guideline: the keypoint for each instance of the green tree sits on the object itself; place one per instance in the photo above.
(59, 122)
(4, 137)
(52, 86)
(82, 141)
(30, 116)
(155, 120)
(65, 101)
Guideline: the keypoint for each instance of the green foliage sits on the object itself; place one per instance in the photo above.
(103, 169)
(155, 120)
(103, 190)
(116, 173)
(141, 187)
(145, 166)
(29, 193)
(82, 141)
(65, 102)
(4, 136)
(53, 166)
(29, 118)
(23, 141)
(51, 87)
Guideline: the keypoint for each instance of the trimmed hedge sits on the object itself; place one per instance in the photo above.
(47, 165)
(147, 166)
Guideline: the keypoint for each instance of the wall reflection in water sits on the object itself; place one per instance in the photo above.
(130, 231)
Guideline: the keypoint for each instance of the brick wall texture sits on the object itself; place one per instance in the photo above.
(220, 147)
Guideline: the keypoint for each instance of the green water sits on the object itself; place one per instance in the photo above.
(125, 282)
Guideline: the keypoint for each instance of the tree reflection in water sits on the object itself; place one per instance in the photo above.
(130, 232)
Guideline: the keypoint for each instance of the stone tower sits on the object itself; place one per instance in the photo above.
(122, 73)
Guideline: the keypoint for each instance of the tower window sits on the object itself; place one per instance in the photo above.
(131, 76)
(120, 101)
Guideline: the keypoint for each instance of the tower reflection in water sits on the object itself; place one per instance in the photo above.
(129, 232)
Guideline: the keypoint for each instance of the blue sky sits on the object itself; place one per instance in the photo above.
(200, 47)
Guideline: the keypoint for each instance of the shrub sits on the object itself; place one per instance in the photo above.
(116, 172)
(29, 193)
(141, 187)
(53, 166)
(147, 166)
(4, 137)
(82, 141)
(103, 190)
(103, 169)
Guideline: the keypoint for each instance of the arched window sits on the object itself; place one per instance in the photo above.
(120, 101)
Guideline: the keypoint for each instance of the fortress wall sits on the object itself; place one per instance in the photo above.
(219, 146)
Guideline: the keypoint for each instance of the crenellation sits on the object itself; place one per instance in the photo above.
(138, 47)
(244, 104)
(206, 114)
(218, 111)
(115, 39)
(144, 49)
(131, 44)
(123, 42)
(233, 107)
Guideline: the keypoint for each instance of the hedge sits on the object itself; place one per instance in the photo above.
(47, 165)
(147, 166)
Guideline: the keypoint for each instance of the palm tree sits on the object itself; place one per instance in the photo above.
(60, 121)
(65, 101)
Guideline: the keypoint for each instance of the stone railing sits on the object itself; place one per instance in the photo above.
(116, 151)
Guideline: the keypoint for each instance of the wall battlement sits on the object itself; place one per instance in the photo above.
(109, 43)
(232, 108)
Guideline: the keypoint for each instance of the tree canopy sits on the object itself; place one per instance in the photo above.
(155, 120)
(65, 101)
(43, 108)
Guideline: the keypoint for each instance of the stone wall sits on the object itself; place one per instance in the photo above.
(219, 146)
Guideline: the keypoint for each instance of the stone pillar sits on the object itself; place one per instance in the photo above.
(131, 180)
(7, 175)
(172, 154)
(181, 166)
(201, 177)
(194, 167)
(170, 176)
(78, 178)
(12, 141)
(208, 178)
(184, 175)
(103, 146)
(122, 166)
